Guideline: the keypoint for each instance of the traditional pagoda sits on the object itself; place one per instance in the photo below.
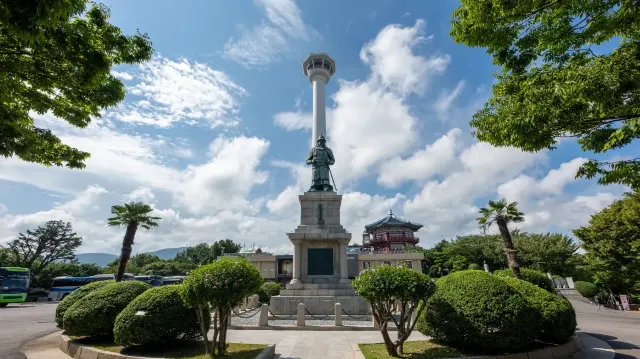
(390, 234)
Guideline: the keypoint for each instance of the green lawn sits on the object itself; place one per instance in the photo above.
(415, 350)
(176, 350)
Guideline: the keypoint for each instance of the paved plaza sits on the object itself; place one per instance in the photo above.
(20, 324)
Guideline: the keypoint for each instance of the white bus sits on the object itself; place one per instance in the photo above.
(62, 286)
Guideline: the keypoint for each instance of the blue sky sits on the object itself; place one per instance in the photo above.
(214, 130)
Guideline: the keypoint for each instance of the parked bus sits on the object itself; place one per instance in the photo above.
(154, 280)
(14, 285)
(172, 280)
(62, 286)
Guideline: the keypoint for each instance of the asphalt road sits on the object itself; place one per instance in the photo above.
(20, 323)
(621, 330)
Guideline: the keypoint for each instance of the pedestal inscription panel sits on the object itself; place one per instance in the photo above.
(320, 261)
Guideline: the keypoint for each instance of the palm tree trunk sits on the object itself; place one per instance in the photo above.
(125, 254)
(510, 250)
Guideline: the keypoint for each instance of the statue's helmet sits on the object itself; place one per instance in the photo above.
(321, 138)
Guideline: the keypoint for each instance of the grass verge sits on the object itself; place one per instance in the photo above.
(180, 349)
(423, 349)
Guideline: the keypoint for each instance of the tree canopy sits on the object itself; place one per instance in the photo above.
(612, 244)
(56, 56)
(555, 81)
(55, 241)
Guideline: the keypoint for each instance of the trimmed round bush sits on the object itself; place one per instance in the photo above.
(586, 289)
(530, 275)
(558, 316)
(476, 311)
(156, 316)
(75, 296)
(268, 290)
(474, 266)
(95, 314)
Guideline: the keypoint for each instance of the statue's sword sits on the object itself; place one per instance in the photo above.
(334, 182)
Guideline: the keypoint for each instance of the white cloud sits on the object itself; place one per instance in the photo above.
(144, 194)
(436, 158)
(122, 75)
(225, 181)
(292, 121)
(181, 91)
(523, 187)
(264, 43)
(394, 63)
(446, 100)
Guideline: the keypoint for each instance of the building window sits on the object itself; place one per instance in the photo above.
(387, 263)
(408, 264)
(366, 265)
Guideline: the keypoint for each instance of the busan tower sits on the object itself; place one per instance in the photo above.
(319, 67)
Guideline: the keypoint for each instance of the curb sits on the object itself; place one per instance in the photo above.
(79, 351)
(562, 351)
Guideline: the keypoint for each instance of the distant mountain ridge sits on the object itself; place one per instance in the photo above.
(103, 259)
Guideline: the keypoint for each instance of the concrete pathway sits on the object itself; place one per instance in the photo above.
(594, 348)
(298, 344)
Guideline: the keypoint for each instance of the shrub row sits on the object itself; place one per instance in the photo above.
(131, 312)
(476, 311)
(530, 275)
(586, 289)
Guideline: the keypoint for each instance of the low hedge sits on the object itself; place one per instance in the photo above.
(530, 275)
(75, 296)
(558, 316)
(586, 289)
(476, 311)
(474, 266)
(95, 314)
(156, 316)
(268, 290)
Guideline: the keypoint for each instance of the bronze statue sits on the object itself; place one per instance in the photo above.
(320, 158)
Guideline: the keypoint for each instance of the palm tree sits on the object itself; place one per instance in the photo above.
(503, 213)
(131, 215)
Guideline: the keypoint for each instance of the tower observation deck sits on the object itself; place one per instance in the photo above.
(319, 67)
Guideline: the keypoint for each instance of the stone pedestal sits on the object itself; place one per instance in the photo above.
(319, 261)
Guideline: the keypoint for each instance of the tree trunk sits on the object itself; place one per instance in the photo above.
(224, 324)
(216, 331)
(125, 254)
(203, 328)
(388, 343)
(510, 250)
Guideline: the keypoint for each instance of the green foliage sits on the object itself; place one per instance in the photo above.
(530, 275)
(75, 296)
(552, 83)
(547, 252)
(586, 289)
(385, 286)
(46, 244)
(458, 263)
(94, 314)
(475, 311)
(480, 249)
(166, 268)
(204, 254)
(165, 318)
(612, 244)
(57, 57)
(558, 316)
(224, 284)
(474, 266)
(133, 213)
(268, 290)
(498, 211)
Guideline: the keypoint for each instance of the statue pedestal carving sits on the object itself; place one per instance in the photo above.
(319, 261)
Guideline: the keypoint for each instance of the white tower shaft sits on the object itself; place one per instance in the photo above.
(319, 110)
